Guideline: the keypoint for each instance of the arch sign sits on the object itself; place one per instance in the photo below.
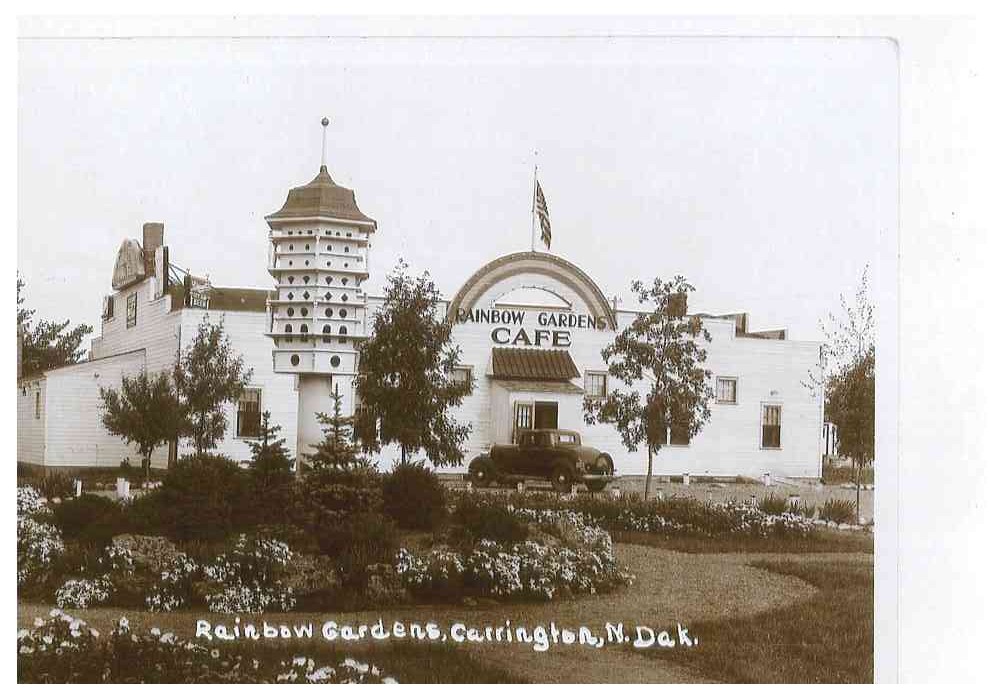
(585, 305)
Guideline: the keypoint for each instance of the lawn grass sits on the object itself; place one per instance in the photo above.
(827, 638)
(694, 544)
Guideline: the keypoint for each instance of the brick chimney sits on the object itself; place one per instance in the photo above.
(153, 238)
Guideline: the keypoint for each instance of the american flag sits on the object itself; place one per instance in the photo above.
(544, 216)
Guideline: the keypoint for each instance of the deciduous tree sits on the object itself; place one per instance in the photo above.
(406, 368)
(846, 374)
(144, 411)
(661, 363)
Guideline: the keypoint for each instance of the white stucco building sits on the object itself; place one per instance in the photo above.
(531, 327)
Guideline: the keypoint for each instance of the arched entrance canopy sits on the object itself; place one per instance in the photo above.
(498, 275)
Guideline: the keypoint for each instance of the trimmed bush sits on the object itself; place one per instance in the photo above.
(360, 542)
(475, 521)
(91, 518)
(414, 497)
(202, 498)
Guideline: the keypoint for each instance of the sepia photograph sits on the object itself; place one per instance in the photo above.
(450, 359)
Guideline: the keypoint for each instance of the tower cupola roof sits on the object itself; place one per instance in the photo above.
(322, 197)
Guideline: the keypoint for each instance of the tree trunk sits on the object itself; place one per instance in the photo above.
(858, 478)
(403, 454)
(148, 460)
(650, 472)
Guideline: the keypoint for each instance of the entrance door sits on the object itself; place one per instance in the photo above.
(546, 415)
(521, 420)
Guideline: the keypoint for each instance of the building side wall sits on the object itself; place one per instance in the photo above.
(246, 331)
(31, 430)
(768, 371)
(74, 404)
(155, 331)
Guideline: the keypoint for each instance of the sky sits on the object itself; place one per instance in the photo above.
(764, 170)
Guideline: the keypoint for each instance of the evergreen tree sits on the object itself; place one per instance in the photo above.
(270, 463)
(208, 375)
(337, 451)
(47, 345)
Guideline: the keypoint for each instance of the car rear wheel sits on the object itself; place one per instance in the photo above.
(562, 478)
(481, 472)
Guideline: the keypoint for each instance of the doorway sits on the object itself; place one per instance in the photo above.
(545, 415)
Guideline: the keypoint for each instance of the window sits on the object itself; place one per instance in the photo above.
(130, 310)
(596, 384)
(727, 390)
(772, 417)
(294, 360)
(38, 405)
(678, 434)
(462, 375)
(109, 308)
(342, 313)
(249, 413)
(335, 361)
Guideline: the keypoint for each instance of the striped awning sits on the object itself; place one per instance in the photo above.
(538, 365)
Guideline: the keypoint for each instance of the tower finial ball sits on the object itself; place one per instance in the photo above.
(325, 121)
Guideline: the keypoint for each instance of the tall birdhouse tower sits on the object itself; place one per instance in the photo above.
(319, 245)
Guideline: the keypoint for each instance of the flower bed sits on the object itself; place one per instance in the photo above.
(64, 649)
(38, 541)
(675, 515)
(573, 558)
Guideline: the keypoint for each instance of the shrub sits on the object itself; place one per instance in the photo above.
(772, 504)
(201, 498)
(330, 494)
(359, 543)
(475, 521)
(801, 509)
(414, 497)
(838, 510)
(90, 518)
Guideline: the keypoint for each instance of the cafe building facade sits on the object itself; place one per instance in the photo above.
(531, 327)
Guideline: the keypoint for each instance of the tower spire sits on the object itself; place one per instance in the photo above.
(323, 144)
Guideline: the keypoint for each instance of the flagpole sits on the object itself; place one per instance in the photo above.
(532, 209)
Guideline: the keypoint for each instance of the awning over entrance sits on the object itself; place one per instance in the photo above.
(533, 365)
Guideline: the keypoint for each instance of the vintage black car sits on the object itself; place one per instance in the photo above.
(554, 455)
